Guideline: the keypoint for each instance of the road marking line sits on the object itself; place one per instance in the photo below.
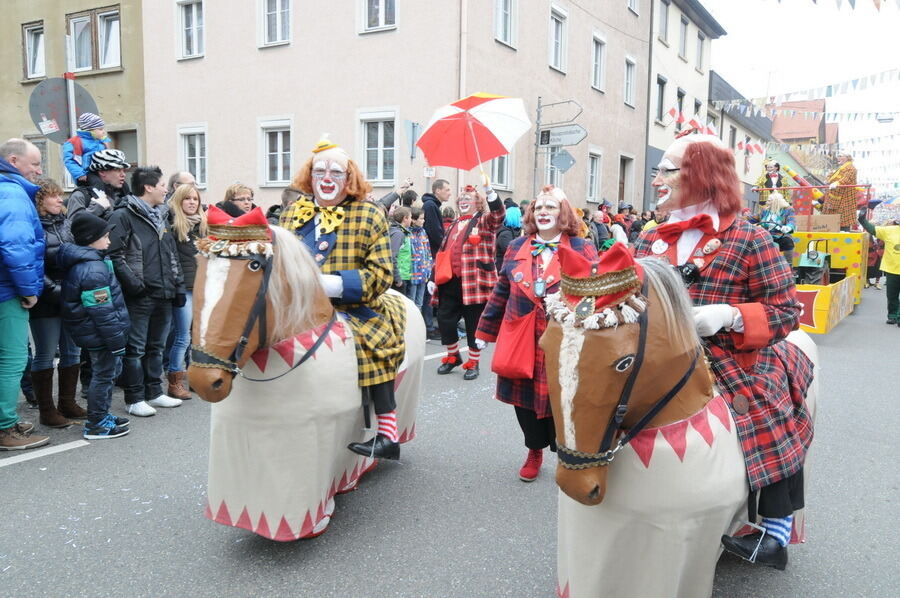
(444, 354)
(50, 450)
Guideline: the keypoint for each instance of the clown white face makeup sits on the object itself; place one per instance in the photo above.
(467, 204)
(329, 179)
(666, 181)
(546, 216)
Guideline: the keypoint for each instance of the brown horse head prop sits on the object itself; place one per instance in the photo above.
(255, 286)
(621, 355)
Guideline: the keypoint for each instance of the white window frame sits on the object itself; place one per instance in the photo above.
(598, 67)
(552, 175)
(377, 115)
(71, 31)
(102, 18)
(561, 16)
(701, 42)
(663, 31)
(268, 125)
(661, 84)
(283, 6)
(634, 6)
(34, 43)
(629, 93)
(382, 17)
(502, 172)
(594, 178)
(683, 25)
(511, 16)
(183, 131)
(198, 49)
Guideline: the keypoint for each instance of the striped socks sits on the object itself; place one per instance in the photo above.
(387, 425)
(453, 349)
(474, 355)
(779, 528)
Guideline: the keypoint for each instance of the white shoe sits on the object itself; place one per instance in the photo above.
(140, 409)
(165, 401)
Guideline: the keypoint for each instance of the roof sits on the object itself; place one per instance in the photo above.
(701, 18)
(720, 89)
(831, 132)
(786, 128)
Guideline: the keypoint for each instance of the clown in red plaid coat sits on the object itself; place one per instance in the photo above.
(745, 305)
(465, 274)
(515, 318)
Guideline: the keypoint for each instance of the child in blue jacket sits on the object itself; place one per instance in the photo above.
(95, 316)
(77, 151)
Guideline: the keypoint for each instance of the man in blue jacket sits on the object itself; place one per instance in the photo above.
(21, 281)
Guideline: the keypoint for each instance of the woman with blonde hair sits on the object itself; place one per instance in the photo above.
(188, 223)
(238, 200)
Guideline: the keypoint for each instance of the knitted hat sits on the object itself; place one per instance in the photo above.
(87, 228)
(108, 159)
(90, 121)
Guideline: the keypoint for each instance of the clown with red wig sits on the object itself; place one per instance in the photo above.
(515, 317)
(745, 306)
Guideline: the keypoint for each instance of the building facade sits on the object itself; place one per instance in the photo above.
(679, 73)
(106, 57)
(241, 90)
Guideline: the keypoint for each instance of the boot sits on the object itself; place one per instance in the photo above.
(176, 388)
(14, 439)
(68, 379)
(532, 466)
(43, 390)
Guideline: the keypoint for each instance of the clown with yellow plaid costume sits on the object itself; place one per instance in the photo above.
(348, 238)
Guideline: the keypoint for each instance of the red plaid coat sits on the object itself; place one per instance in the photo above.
(479, 273)
(749, 273)
(514, 297)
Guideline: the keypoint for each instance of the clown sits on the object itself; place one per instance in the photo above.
(348, 238)
(841, 199)
(465, 273)
(515, 317)
(778, 218)
(770, 179)
(745, 305)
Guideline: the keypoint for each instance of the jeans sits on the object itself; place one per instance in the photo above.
(49, 334)
(13, 358)
(99, 395)
(427, 309)
(142, 366)
(416, 292)
(181, 330)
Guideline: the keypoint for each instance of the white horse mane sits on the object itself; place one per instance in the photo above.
(674, 300)
(294, 283)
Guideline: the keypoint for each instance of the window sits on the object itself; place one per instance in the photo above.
(504, 21)
(712, 121)
(732, 137)
(558, 39)
(33, 42)
(193, 153)
(378, 145)
(633, 6)
(698, 106)
(680, 107)
(500, 178)
(593, 186)
(277, 28)
(700, 39)
(276, 152)
(630, 81)
(660, 97)
(663, 32)
(191, 15)
(552, 175)
(682, 39)
(95, 40)
(598, 60)
(380, 14)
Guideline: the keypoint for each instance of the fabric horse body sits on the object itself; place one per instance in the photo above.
(671, 492)
(278, 444)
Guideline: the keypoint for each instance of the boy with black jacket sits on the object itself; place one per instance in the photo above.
(94, 314)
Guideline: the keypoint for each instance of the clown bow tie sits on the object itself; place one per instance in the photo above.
(330, 216)
(538, 247)
(671, 231)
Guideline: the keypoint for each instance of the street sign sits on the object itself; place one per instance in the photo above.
(563, 135)
(428, 172)
(49, 107)
(562, 161)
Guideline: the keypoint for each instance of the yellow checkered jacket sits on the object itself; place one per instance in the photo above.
(378, 320)
(843, 199)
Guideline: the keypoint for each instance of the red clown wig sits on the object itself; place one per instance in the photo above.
(708, 172)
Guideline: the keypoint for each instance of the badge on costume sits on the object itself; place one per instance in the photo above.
(540, 287)
(659, 247)
(323, 245)
(700, 262)
(711, 246)
(319, 257)
(518, 276)
(218, 246)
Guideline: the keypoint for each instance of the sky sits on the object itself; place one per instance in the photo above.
(777, 47)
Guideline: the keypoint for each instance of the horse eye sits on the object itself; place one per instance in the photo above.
(254, 265)
(623, 363)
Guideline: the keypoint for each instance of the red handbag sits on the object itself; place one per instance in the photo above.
(514, 352)
(443, 268)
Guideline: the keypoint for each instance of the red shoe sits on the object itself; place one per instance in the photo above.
(532, 466)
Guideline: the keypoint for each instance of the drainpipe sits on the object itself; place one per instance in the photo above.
(462, 64)
(649, 95)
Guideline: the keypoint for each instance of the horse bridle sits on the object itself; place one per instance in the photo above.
(575, 459)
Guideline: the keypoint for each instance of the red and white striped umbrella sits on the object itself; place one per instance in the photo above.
(473, 130)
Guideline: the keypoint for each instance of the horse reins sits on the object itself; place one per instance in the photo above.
(574, 459)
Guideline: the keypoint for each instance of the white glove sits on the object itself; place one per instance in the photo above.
(480, 343)
(102, 199)
(709, 319)
(833, 185)
(431, 287)
(334, 285)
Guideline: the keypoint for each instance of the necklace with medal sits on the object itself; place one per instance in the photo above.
(540, 285)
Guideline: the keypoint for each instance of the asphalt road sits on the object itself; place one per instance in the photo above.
(124, 517)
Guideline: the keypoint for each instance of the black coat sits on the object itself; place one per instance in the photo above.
(82, 198)
(93, 309)
(505, 236)
(145, 259)
(434, 224)
(56, 232)
(187, 256)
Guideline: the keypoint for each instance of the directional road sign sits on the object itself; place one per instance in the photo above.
(563, 135)
(562, 161)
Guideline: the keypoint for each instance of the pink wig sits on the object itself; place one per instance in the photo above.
(708, 172)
